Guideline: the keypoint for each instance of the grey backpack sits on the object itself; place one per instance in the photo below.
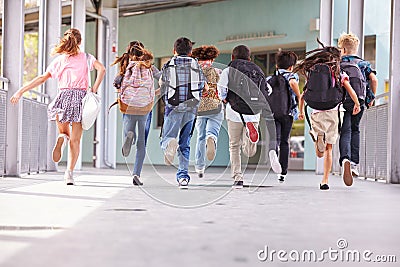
(357, 80)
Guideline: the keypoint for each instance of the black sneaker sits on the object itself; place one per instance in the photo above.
(237, 184)
(136, 180)
(126, 147)
(324, 186)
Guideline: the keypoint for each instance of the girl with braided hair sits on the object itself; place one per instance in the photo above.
(324, 123)
(135, 126)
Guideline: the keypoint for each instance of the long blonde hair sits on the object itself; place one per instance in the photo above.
(69, 44)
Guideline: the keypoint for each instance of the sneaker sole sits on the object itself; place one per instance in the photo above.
(69, 182)
(275, 165)
(136, 181)
(347, 177)
(250, 128)
(210, 149)
(126, 148)
(319, 154)
(321, 143)
(170, 152)
(57, 150)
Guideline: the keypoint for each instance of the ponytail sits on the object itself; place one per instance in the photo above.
(69, 44)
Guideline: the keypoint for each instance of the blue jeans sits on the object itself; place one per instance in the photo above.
(129, 123)
(283, 126)
(207, 126)
(349, 143)
(147, 128)
(179, 123)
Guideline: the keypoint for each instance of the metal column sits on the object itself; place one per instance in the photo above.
(12, 66)
(49, 34)
(78, 21)
(356, 22)
(326, 22)
(326, 37)
(107, 122)
(394, 105)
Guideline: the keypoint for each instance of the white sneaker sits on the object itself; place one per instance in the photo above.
(62, 141)
(183, 183)
(275, 165)
(346, 172)
(170, 151)
(354, 169)
(68, 177)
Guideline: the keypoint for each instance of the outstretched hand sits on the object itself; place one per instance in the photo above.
(15, 98)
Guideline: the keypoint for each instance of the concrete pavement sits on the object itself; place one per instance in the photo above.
(105, 221)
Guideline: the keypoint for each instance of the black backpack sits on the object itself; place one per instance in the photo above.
(319, 92)
(357, 82)
(246, 87)
(279, 99)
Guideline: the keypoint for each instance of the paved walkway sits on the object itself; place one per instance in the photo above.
(104, 221)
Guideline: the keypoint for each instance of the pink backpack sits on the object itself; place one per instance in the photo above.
(137, 89)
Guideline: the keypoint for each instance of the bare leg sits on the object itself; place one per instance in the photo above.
(327, 163)
(63, 128)
(74, 145)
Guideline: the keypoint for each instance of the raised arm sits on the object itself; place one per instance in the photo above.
(353, 95)
(32, 84)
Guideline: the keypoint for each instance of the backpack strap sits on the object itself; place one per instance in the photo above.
(193, 126)
(88, 72)
(340, 119)
(307, 117)
(242, 118)
(113, 104)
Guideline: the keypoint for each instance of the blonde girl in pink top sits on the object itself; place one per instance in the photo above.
(70, 68)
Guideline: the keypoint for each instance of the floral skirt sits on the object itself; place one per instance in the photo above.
(67, 106)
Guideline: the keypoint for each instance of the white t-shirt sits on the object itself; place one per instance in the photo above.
(223, 92)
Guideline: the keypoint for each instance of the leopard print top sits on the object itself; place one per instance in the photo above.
(210, 100)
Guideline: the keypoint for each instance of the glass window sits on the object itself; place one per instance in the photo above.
(370, 49)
